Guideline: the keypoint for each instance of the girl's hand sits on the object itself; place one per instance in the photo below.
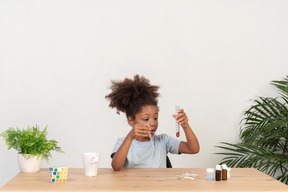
(139, 131)
(181, 118)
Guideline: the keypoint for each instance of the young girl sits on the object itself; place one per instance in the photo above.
(138, 100)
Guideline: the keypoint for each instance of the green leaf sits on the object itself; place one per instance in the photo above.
(31, 141)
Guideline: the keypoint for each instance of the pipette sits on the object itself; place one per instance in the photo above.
(177, 124)
(151, 139)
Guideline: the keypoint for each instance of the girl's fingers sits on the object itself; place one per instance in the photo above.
(141, 135)
(180, 112)
(141, 130)
(181, 117)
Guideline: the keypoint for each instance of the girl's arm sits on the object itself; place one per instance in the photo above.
(120, 156)
(191, 146)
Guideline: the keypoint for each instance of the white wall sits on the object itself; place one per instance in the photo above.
(57, 59)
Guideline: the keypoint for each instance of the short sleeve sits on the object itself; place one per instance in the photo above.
(117, 145)
(115, 149)
(172, 144)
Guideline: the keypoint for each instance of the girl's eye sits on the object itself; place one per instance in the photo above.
(156, 118)
(146, 119)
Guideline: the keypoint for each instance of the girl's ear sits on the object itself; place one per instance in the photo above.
(130, 121)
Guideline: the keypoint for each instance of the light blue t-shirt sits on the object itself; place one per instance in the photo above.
(142, 154)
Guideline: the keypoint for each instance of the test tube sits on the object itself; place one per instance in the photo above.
(177, 124)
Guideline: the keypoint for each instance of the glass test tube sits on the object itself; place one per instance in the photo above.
(177, 124)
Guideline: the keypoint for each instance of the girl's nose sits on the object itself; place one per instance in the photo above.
(152, 123)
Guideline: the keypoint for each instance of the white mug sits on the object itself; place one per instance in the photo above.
(91, 162)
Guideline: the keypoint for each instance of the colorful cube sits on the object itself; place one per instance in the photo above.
(58, 174)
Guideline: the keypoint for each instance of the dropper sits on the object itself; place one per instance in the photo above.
(151, 139)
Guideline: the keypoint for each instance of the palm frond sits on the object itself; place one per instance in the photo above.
(282, 86)
(259, 157)
(259, 128)
(264, 136)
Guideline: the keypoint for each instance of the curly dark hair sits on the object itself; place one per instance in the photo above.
(130, 95)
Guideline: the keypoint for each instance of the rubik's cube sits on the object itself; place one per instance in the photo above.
(58, 174)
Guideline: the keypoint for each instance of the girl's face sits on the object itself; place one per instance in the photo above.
(148, 116)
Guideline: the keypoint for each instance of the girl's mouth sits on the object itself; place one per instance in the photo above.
(152, 132)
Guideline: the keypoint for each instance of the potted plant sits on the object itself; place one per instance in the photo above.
(264, 136)
(32, 146)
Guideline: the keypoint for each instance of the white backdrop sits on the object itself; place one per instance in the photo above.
(57, 59)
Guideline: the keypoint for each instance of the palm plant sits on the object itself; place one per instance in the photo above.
(264, 136)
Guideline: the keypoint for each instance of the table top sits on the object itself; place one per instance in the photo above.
(242, 179)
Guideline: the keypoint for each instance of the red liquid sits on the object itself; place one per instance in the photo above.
(177, 134)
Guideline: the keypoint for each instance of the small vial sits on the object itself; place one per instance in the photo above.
(224, 172)
(218, 173)
(210, 174)
(228, 172)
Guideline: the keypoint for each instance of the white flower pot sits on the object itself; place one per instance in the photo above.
(32, 164)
